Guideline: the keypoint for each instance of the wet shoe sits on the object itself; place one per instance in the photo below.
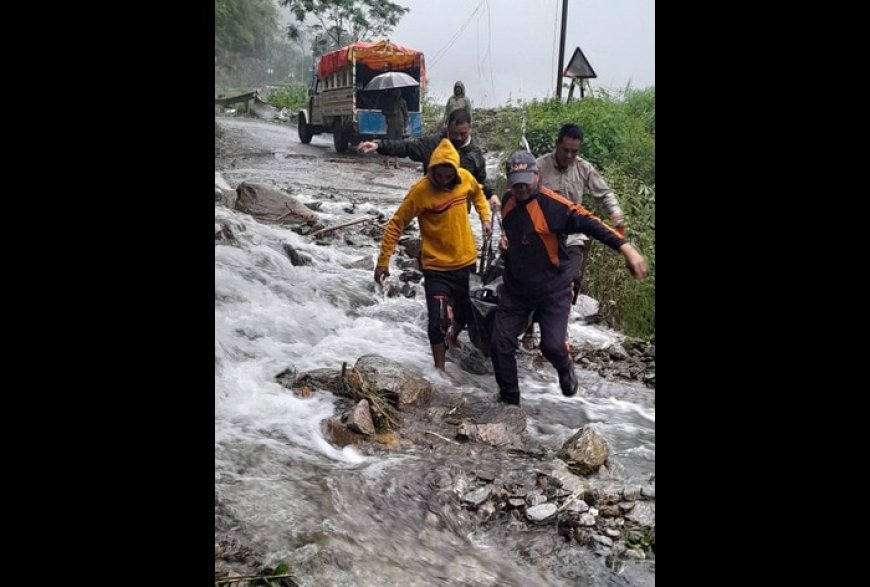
(509, 397)
(568, 382)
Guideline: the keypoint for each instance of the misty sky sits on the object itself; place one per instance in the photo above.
(522, 39)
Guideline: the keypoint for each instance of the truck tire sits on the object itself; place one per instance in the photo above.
(305, 133)
(340, 137)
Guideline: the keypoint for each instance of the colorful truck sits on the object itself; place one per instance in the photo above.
(338, 102)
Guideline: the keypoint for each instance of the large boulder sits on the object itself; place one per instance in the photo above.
(586, 451)
(403, 386)
(271, 206)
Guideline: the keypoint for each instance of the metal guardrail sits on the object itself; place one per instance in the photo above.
(235, 99)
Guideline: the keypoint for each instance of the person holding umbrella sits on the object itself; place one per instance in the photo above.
(395, 111)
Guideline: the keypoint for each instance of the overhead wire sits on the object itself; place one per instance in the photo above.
(443, 51)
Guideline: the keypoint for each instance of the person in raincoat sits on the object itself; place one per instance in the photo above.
(449, 252)
(457, 101)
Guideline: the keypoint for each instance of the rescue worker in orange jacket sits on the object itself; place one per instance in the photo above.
(538, 275)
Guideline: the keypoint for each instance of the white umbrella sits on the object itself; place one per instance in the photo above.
(391, 79)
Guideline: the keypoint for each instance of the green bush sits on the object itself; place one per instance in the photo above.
(619, 139)
(291, 97)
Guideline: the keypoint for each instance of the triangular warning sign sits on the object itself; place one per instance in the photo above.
(579, 67)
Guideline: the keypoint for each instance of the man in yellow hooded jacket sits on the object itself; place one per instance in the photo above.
(449, 253)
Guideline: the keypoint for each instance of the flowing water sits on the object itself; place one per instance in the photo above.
(363, 516)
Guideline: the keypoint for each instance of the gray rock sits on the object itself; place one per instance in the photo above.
(619, 547)
(405, 387)
(478, 496)
(587, 520)
(516, 502)
(609, 511)
(649, 491)
(534, 498)
(296, 258)
(616, 351)
(603, 540)
(366, 263)
(626, 506)
(644, 513)
(361, 419)
(568, 480)
(406, 263)
(499, 434)
(485, 474)
(486, 511)
(270, 206)
(341, 435)
(607, 492)
(586, 451)
(411, 275)
(631, 492)
(412, 246)
(408, 290)
(578, 505)
(635, 554)
(613, 533)
(225, 197)
(541, 512)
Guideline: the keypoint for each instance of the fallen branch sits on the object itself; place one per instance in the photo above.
(574, 496)
(337, 226)
(441, 437)
(287, 213)
(462, 401)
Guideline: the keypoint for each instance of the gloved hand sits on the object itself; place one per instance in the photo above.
(381, 273)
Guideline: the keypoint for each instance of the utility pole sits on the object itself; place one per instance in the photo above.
(561, 50)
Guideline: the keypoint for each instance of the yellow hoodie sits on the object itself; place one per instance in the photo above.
(445, 228)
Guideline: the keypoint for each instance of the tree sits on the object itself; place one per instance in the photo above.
(244, 26)
(343, 21)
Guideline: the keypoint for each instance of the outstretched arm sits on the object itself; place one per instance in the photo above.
(598, 189)
(634, 261)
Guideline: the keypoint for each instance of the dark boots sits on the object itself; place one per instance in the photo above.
(510, 396)
(568, 382)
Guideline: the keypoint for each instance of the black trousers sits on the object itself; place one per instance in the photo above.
(577, 261)
(551, 306)
(446, 285)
